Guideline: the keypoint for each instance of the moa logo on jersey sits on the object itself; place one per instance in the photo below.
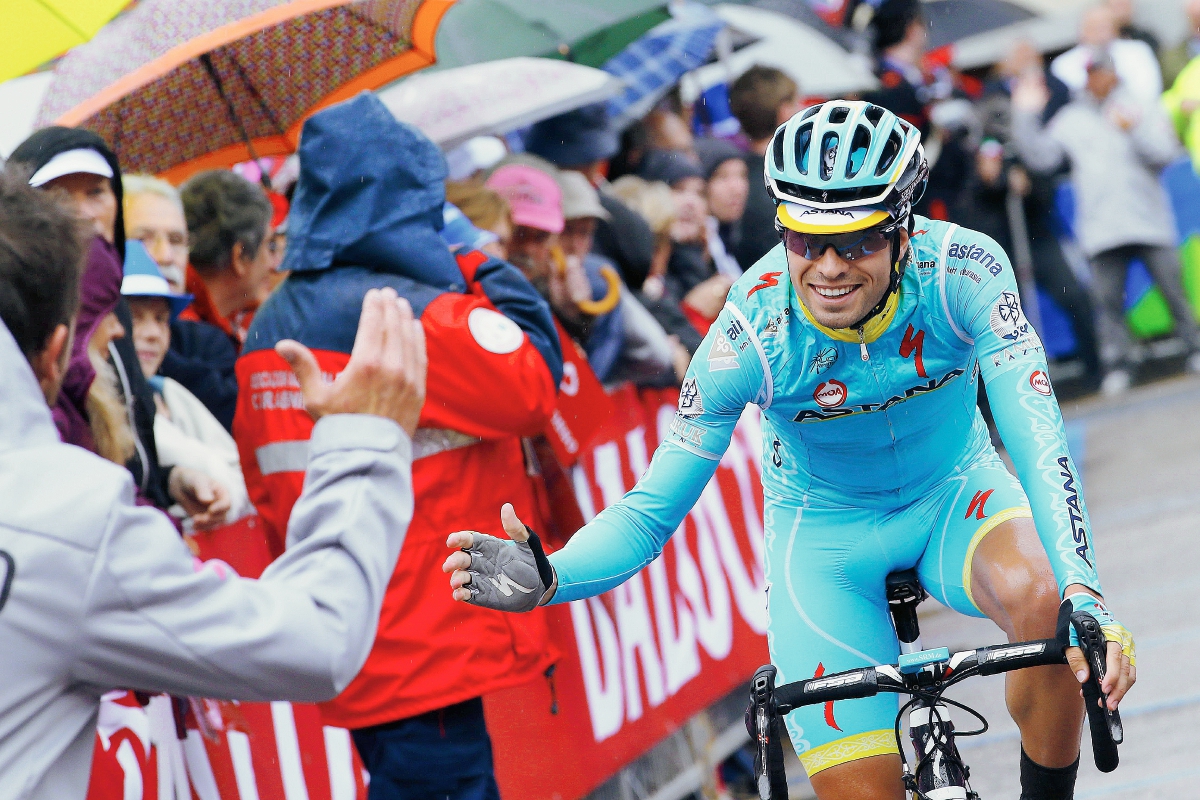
(1040, 382)
(1007, 320)
(830, 394)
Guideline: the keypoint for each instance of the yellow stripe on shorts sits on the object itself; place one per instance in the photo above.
(1016, 512)
(852, 748)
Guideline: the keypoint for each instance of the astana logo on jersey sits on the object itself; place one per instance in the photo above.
(825, 358)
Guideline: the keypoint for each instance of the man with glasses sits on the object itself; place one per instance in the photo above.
(862, 339)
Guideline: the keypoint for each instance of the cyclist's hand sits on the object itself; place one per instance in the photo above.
(1121, 672)
(495, 573)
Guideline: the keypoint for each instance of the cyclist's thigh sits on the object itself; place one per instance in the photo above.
(970, 505)
(828, 613)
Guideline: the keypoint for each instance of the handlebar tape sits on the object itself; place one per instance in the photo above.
(842, 686)
(1007, 657)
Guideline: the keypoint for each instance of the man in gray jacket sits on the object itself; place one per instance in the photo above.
(1116, 145)
(97, 592)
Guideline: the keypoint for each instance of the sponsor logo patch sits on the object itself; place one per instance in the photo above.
(766, 281)
(691, 404)
(1078, 531)
(722, 355)
(913, 345)
(686, 431)
(1040, 382)
(830, 394)
(977, 254)
(1030, 344)
(818, 415)
(1007, 319)
(825, 358)
(977, 504)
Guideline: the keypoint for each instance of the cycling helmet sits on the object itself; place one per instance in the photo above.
(846, 165)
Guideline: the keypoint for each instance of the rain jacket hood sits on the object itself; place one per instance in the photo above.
(25, 421)
(371, 192)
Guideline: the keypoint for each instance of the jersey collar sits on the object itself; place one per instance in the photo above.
(875, 327)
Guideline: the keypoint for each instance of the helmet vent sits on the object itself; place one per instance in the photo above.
(859, 146)
(777, 151)
(811, 111)
(873, 113)
(829, 154)
(838, 115)
(891, 149)
(803, 142)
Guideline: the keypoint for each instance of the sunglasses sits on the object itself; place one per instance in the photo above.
(849, 246)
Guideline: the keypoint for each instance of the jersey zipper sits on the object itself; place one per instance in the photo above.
(862, 346)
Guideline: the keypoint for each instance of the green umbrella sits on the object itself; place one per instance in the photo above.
(584, 31)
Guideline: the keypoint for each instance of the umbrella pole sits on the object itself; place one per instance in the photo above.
(206, 60)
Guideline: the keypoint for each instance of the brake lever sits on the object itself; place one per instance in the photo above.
(1105, 723)
(765, 727)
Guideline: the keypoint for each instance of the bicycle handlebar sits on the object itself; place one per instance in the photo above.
(869, 681)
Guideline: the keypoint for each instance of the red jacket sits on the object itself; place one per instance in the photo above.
(490, 382)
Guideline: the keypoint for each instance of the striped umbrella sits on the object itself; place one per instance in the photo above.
(176, 86)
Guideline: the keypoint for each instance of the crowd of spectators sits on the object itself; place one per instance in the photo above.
(622, 243)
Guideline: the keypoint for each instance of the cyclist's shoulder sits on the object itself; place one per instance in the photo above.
(762, 294)
(941, 247)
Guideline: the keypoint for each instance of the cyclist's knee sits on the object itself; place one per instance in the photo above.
(1015, 584)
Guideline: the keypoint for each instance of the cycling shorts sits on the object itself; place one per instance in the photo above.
(826, 568)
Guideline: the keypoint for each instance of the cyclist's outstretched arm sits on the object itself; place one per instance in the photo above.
(630, 534)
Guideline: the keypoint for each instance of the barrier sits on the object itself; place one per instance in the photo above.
(642, 659)
(638, 661)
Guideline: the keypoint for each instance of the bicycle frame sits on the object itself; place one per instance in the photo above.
(924, 675)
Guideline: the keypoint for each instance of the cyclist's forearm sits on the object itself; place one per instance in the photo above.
(627, 536)
(1031, 426)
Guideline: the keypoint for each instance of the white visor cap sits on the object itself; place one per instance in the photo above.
(82, 159)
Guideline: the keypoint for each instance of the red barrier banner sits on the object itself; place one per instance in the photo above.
(644, 657)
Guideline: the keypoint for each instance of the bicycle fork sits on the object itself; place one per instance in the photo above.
(940, 772)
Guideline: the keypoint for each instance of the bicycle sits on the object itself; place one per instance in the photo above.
(925, 675)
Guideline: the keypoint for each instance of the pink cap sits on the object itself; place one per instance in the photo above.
(533, 196)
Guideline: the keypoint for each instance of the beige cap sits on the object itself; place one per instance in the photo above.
(579, 198)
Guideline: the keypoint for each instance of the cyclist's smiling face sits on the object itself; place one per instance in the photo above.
(837, 292)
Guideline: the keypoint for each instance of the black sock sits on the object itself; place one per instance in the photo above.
(1047, 783)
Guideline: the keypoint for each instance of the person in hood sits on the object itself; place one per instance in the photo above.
(98, 592)
(80, 164)
(367, 213)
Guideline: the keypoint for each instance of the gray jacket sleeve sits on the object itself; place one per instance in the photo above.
(158, 620)
(1154, 138)
(1035, 143)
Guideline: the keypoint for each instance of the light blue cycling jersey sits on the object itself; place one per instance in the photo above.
(872, 421)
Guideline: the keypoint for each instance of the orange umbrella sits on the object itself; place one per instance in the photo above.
(177, 86)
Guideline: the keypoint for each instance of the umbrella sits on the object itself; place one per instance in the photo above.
(176, 86)
(20, 98)
(948, 21)
(818, 64)
(655, 62)
(34, 31)
(454, 105)
(584, 31)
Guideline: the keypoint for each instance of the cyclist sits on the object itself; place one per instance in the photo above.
(862, 338)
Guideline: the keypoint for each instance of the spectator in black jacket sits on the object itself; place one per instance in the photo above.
(201, 357)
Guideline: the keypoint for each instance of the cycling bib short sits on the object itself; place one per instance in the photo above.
(874, 459)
